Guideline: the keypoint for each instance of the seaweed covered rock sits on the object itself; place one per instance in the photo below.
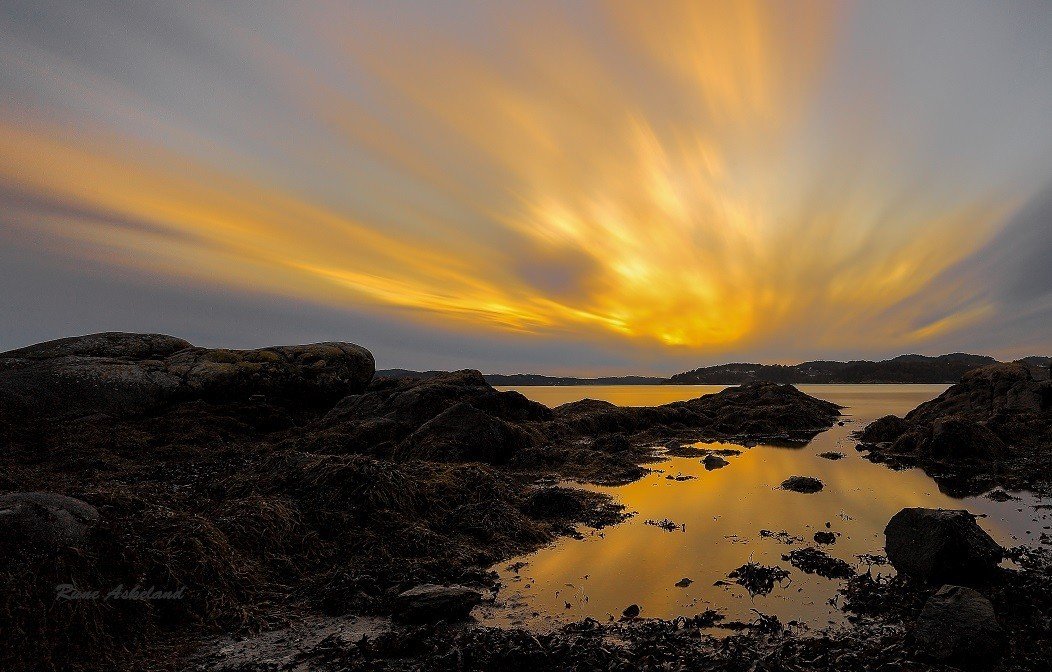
(940, 545)
(612, 443)
(382, 419)
(958, 625)
(429, 603)
(552, 502)
(123, 374)
(811, 560)
(464, 433)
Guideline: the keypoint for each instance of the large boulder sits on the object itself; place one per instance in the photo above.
(957, 625)
(122, 374)
(884, 430)
(42, 523)
(430, 603)
(984, 393)
(940, 545)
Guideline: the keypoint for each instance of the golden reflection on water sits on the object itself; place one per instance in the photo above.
(723, 512)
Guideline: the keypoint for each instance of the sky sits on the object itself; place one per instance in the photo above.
(554, 187)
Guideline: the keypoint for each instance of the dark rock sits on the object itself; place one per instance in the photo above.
(684, 582)
(804, 484)
(825, 537)
(429, 603)
(758, 409)
(389, 411)
(714, 462)
(40, 523)
(940, 545)
(631, 611)
(956, 438)
(958, 625)
(994, 427)
(884, 430)
(985, 393)
(122, 374)
(831, 455)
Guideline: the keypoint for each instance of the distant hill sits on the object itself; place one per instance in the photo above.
(533, 378)
(901, 369)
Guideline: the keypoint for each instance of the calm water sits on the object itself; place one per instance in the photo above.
(722, 513)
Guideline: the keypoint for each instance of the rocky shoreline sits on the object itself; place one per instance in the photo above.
(993, 428)
(350, 520)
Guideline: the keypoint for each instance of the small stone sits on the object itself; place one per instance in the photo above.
(805, 484)
(825, 537)
(714, 462)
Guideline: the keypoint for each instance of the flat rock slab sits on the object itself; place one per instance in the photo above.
(429, 603)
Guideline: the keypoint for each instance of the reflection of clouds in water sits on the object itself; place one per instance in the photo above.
(724, 511)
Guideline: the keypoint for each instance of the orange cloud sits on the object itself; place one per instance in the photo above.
(677, 179)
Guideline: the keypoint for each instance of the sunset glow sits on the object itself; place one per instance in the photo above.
(694, 179)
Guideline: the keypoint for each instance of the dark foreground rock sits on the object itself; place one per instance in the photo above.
(958, 625)
(994, 427)
(805, 484)
(430, 603)
(938, 545)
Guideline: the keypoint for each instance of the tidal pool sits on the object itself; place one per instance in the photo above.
(726, 517)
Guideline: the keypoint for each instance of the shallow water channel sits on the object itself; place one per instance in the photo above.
(729, 516)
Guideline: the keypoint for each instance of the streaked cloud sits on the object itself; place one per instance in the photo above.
(670, 182)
